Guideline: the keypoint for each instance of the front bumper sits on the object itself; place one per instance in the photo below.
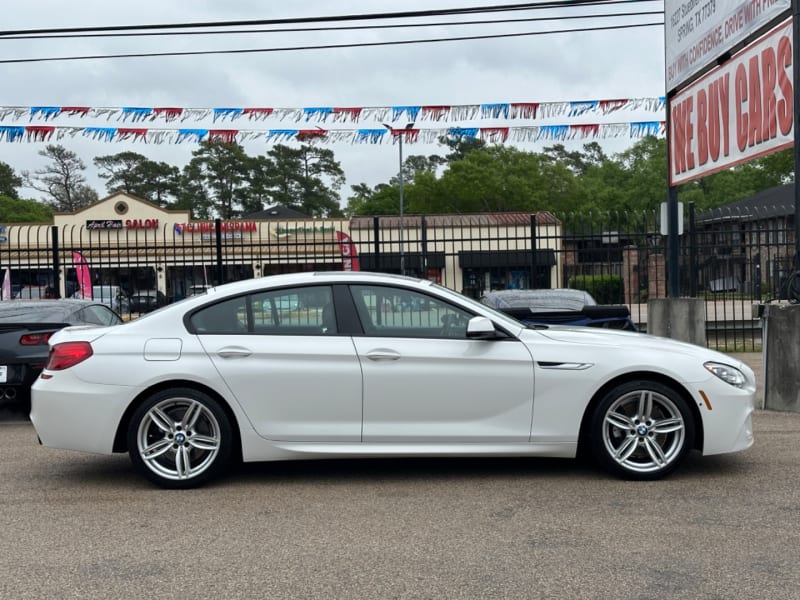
(727, 414)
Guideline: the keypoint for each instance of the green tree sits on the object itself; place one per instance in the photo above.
(14, 210)
(321, 182)
(284, 176)
(192, 193)
(215, 180)
(381, 200)
(260, 179)
(741, 181)
(460, 147)
(10, 182)
(577, 161)
(497, 179)
(134, 174)
(307, 179)
(62, 180)
(416, 165)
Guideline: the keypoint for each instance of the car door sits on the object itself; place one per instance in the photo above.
(280, 354)
(425, 381)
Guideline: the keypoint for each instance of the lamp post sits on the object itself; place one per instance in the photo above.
(398, 134)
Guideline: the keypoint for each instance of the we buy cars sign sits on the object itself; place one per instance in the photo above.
(739, 111)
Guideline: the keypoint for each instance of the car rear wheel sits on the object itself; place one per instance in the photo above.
(641, 430)
(180, 438)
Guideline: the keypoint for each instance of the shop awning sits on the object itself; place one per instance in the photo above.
(390, 261)
(491, 259)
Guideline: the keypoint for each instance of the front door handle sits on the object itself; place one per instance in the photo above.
(234, 352)
(383, 354)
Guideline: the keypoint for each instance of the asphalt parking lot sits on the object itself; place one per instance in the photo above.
(85, 526)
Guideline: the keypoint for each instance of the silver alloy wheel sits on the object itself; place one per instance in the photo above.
(178, 438)
(644, 431)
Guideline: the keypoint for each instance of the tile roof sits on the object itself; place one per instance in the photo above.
(458, 220)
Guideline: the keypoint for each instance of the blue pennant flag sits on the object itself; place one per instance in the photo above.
(282, 134)
(645, 128)
(553, 132)
(411, 112)
(495, 111)
(47, 112)
(372, 136)
(231, 113)
(198, 134)
(463, 132)
(320, 112)
(12, 133)
(578, 108)
(136, 113)
(100, 133)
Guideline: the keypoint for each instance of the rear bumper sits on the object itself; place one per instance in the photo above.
(61, 418)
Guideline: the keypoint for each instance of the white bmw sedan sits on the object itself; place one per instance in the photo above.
(324, 365)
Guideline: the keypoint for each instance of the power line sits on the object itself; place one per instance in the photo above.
(341, 28)
(323, 19)
(327, 46)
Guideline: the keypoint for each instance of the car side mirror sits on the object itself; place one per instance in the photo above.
(482, 328)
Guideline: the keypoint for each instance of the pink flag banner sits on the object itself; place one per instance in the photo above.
(84, 275)
(6, 291)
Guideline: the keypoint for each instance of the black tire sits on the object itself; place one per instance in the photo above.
(641, 430)
(180, 438)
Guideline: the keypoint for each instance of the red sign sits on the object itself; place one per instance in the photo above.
(141, 224)
(738, 112)
(206, 227)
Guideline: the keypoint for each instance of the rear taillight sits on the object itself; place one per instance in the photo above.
(35, 339)
(68, 354)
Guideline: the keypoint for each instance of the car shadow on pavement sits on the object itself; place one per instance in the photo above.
(64, 468)
(404, 469)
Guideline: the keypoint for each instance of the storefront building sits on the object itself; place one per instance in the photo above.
(126, 241)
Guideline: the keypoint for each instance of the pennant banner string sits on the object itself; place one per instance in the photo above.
(547, 133)
(338, 114)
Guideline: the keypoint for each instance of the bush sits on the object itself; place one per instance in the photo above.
(606, 289)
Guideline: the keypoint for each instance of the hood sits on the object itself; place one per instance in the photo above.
(629, 340)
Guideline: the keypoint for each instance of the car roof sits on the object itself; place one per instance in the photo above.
(40, 311)
(312, 277)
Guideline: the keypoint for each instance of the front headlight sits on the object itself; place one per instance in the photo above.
(727, 373)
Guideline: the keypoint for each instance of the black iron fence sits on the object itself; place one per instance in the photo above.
(732, 260)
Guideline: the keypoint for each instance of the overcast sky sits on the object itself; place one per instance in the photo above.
(627, 63)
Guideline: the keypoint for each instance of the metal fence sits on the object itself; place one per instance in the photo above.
(735, 260)
(732, 260)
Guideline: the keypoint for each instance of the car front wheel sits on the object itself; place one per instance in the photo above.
(180, 438)
(641, 430)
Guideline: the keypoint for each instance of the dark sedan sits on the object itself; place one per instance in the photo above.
(145, 301)
(25, 328)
